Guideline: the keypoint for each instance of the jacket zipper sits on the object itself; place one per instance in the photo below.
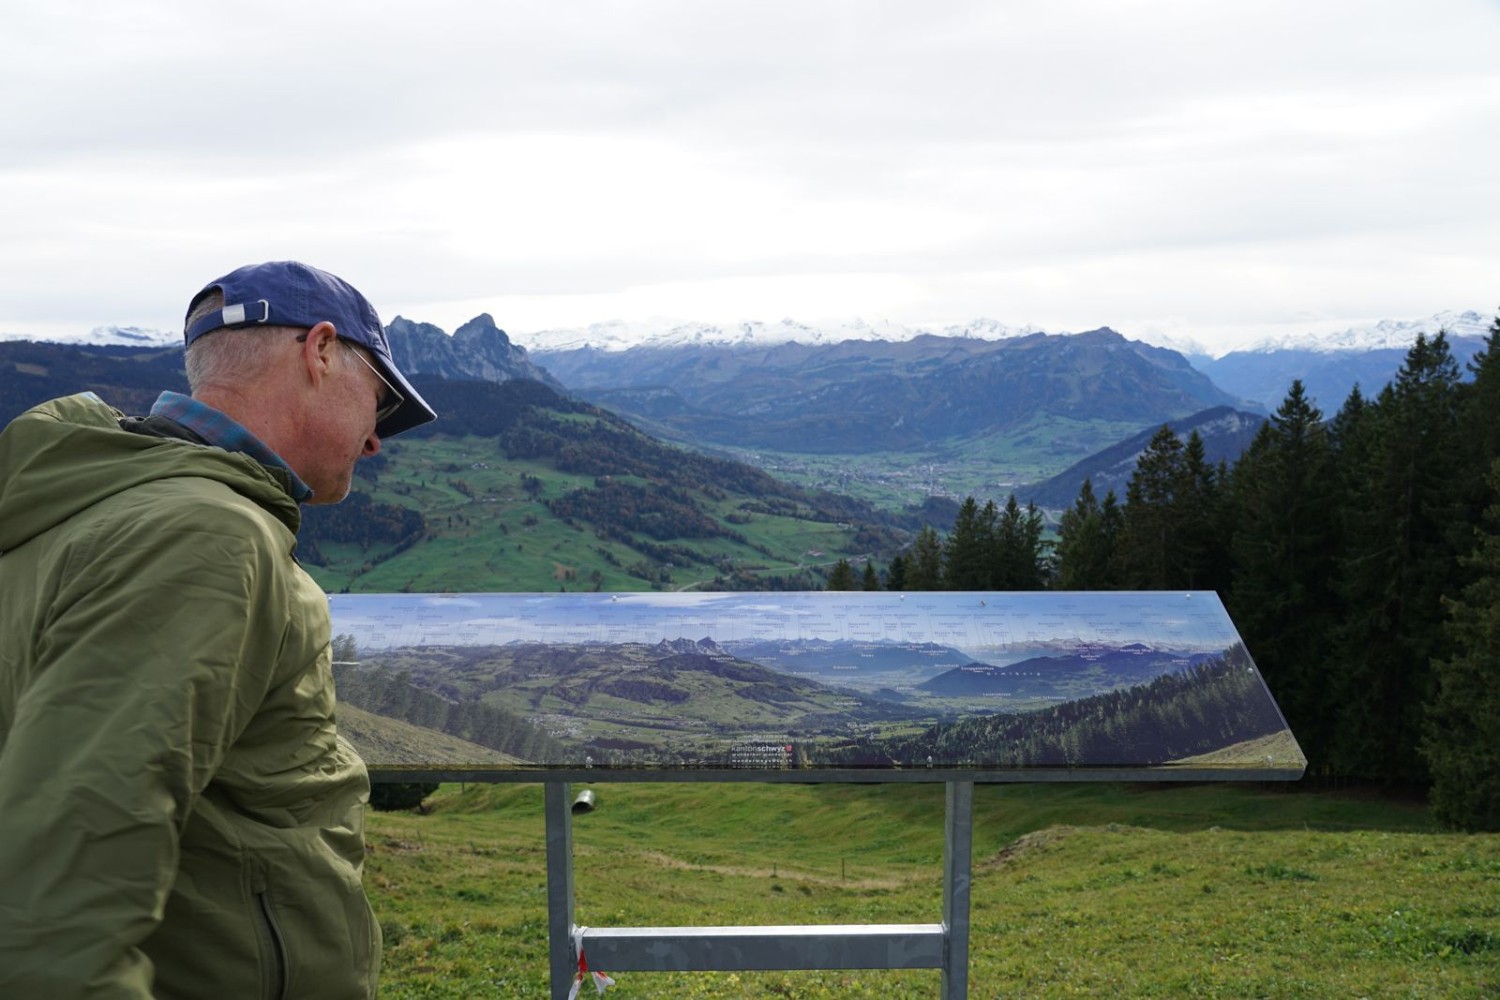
(278, 946)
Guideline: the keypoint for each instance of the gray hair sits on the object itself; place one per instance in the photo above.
(228, 357)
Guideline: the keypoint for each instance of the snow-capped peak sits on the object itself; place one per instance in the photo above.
(134, 336)
(109, 336)
(1185, 346)
(1386, 334)
(618, 335)
(988, 329)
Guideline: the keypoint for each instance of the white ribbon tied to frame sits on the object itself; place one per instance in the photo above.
(600, 980)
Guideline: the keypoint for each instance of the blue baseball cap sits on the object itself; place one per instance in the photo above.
(287, 293)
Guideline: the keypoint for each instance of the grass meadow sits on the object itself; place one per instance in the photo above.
(486, 533)
(986, 465)
(1079, 890)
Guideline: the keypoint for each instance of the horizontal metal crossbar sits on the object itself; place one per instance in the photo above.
(507, 775)
(722, 949)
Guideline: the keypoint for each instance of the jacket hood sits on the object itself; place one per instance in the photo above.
(68, 454)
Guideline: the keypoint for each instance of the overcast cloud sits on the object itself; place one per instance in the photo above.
(1213, 171)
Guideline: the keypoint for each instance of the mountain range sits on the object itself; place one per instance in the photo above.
(861, 396)
(1058, 677)
(1331, 365)
(676, 701)
(1052, 408)
(477, 350)
(869, 666)
(617, 335)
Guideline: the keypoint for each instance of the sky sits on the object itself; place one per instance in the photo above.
(977, 623)
(1213, 172)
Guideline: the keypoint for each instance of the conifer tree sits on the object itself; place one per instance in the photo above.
(1150, 552)
(841, 577)
(870, 580)
(1018, 561)
(1397, 561)
(1479, 417)
(1351, 436)
(1462, 744)
(1085, 544)
(1198, 506)
(1483, 403)
(967, 551)
(924, 564)
(1348, 426)
(1112, 518)
(895, 574)
(1283, 546)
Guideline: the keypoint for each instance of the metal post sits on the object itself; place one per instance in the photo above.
(957, 878)
(561, 961)
(662, 949)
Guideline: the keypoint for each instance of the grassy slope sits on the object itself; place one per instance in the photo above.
(391, 741)
(987, 466)
(487, 533)
(490, 535)
(1134, 891)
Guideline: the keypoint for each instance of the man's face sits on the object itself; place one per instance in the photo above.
(346, 424)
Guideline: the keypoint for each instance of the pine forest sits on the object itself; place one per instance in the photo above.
(1359, 554)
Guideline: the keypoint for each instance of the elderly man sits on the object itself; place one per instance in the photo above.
(178, 815)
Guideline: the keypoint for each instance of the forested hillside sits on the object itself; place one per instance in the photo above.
(128, 378)
(1176, 716)
(873, 395)
(391, 694)
(517, 487)
(1359, 556)
(1225, 431)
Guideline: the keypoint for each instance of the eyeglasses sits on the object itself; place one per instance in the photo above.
(392, 399)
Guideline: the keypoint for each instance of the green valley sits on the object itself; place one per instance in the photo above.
(990, 464)
(530, 491)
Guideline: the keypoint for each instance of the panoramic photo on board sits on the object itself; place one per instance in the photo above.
(818, 680)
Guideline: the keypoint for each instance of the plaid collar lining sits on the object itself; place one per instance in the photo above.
(218, 429)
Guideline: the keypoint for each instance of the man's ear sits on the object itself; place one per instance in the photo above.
(318, 348)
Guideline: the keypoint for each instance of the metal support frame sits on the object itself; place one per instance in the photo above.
(958, 851)
(561, 961)
(942, 946)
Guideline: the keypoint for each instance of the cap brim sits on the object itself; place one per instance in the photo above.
(413, 412)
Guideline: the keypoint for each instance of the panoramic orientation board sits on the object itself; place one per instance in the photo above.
(805, 685)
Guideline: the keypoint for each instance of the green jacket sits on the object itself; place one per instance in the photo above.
(178, 816)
